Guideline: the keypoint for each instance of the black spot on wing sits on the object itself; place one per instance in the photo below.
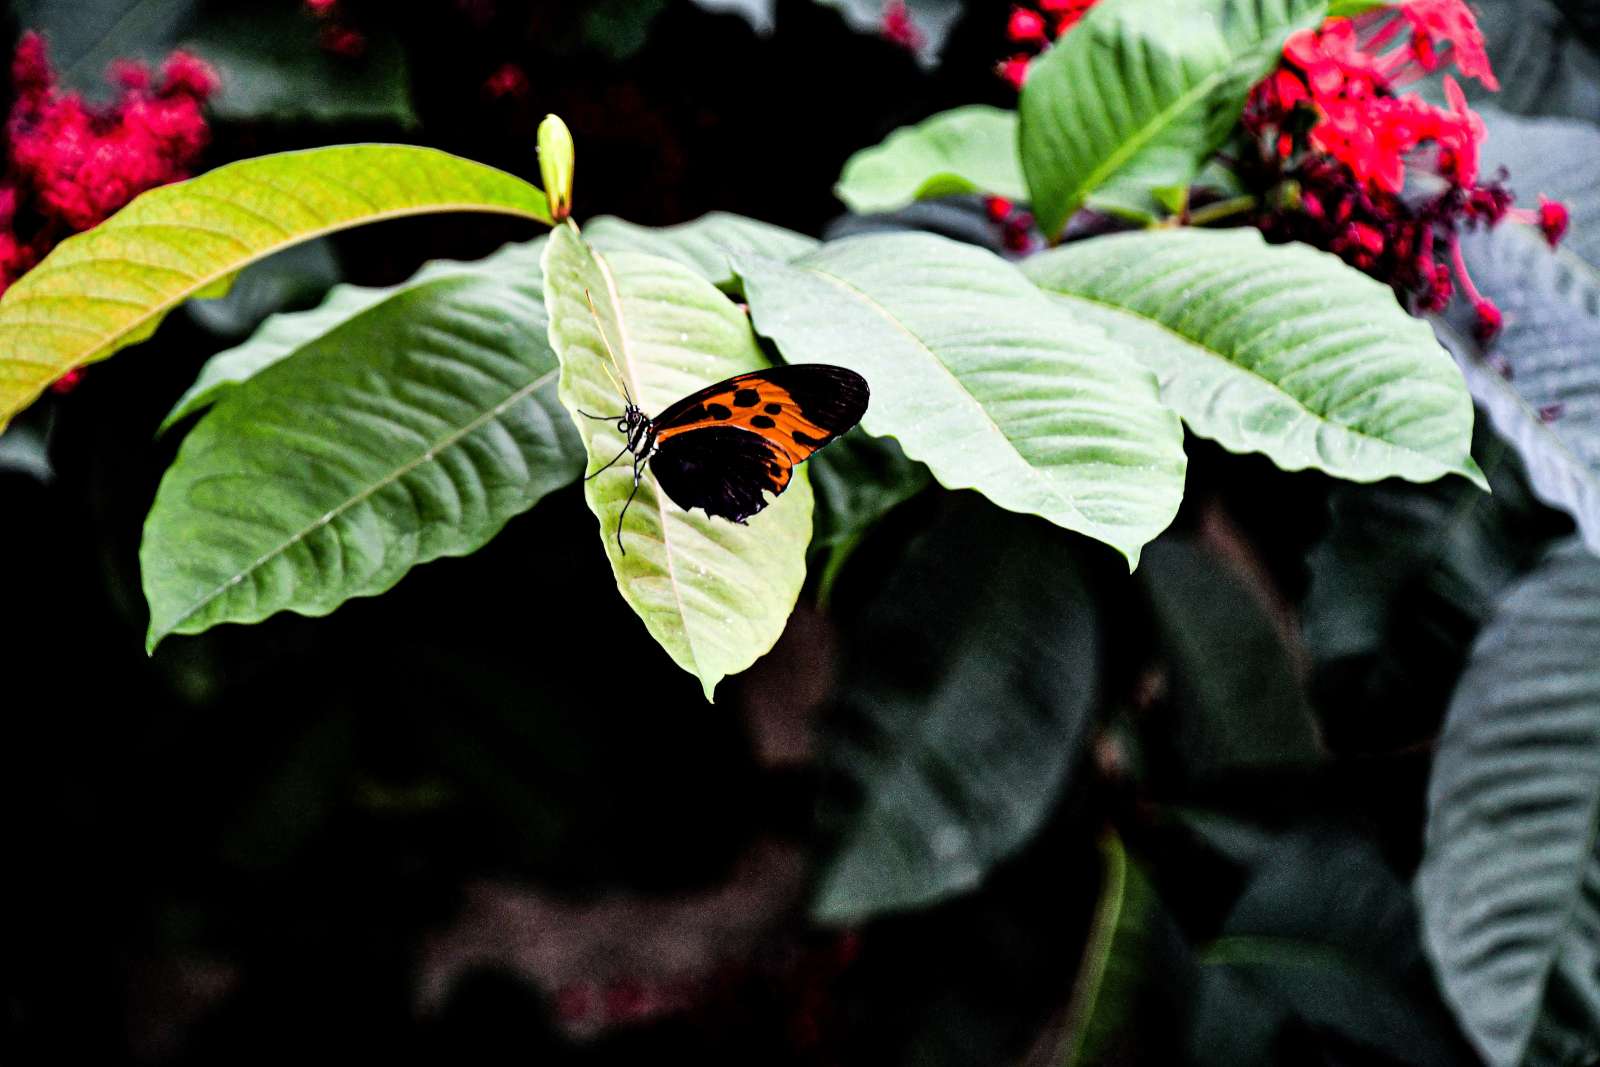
(719, 411)
(725, 470)
(761, 422)
(807, 440)
(746, 398)
(831, 397)
(773, 409)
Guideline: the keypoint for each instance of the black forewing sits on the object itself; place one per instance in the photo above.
(725, 470)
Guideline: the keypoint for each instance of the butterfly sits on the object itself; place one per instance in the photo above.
(725, 447)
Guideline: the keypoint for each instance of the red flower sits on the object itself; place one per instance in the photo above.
(1025, 25)
(71, 165)
(1553, 220)
(1489, 321)
(1036, 29)
(1015, 70)
(1451, 21)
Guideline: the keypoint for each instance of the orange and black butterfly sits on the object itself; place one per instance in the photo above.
(724, 447)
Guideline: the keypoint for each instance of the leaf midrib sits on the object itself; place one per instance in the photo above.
(1142, 136)
(1248, 372)
(626, 345)
(428, 455)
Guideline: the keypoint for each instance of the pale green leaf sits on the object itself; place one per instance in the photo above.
(110, 287)
(1141, 93)
(706, 245)
(1510, 880)
(714, 594)
(970, 149)
(283, 335)
(414, 431)
(1278, 349)
(991, 383)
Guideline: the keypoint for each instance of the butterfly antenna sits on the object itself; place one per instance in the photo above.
(610, 354)
(599, 418)
(607, 467)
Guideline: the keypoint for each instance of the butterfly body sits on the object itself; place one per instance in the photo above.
(726, 447)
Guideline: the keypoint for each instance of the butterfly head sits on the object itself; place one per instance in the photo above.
(634, 425)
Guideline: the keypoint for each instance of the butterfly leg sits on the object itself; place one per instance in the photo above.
(607, 467)
(638, 464)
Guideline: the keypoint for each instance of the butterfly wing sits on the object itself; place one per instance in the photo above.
(800, 408)
(723, 469)
(726, 446)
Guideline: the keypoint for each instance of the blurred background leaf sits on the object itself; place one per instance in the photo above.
(1510, 884)
(964, 701)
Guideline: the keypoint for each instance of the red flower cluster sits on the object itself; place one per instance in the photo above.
(1016, 224)
(71, 164)
(1387, 181)
(1032, 29)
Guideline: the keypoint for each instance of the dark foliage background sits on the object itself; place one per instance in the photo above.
(484, 815)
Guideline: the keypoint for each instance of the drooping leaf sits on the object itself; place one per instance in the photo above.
(707, 245)
(970, 149)
(1237, 700)
(283, 335)
(1278, 349)
(1114, 960)
(965, 700)
(983, 378)
(1132, 102)
(714, 594)
(1540, 384)
(1510, 881)
(931, 21)
(110, 287)
(413, 431)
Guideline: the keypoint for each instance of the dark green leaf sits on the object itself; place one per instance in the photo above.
(964, 705)
(414, 431)
(1237, 696)
(1140, 93)
(1510, 883)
